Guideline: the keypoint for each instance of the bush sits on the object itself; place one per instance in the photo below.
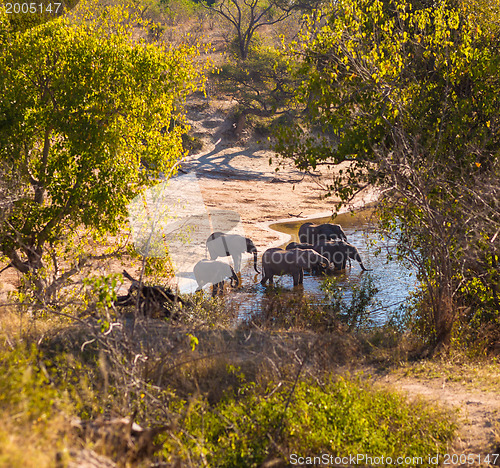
(341, 418)
(355, 313)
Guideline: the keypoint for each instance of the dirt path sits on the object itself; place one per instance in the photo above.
(238, 176)
(478, 415)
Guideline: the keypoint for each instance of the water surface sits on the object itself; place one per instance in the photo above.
(393, 280)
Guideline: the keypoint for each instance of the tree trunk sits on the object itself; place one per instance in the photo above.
(240, 125)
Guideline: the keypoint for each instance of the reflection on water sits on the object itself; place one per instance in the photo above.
(393, 280)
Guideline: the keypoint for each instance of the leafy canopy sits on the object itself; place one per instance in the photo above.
(407, 96)
(88, 117)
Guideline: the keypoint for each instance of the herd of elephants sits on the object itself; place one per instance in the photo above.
(323, 248)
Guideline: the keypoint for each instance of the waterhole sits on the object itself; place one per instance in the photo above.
(393, 280)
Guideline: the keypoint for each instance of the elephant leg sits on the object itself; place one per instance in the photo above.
(237, 262)
(269, 279)
(264, 278)
(301, 276)
(218, 289)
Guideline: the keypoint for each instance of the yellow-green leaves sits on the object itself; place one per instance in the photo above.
(87, 118)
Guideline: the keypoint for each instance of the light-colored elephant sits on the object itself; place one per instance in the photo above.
(313, 233)
(223, 245)
(289, 262)
(338, 253)
(214, 272)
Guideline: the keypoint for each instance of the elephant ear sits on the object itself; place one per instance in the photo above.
(303, 258)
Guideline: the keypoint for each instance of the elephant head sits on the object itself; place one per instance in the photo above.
(353, 254)
(308, 259)
(338, 253)
(224, 245)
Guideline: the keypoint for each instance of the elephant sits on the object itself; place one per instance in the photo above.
(314, 233)
(304, 246)
(279, 262)
(297, 245)
(223, 245)
(338, 253)
(214, 272)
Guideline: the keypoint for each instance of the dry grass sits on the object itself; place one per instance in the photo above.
(36, 444)
(480, 374)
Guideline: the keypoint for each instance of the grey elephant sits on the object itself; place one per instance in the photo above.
(297, 245)
(279, 262)
(313, 233)
(214, 272)
(316, 269)
(338, 253)
(223, 245)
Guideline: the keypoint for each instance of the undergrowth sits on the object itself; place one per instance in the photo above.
(340, 417)
(222, 396)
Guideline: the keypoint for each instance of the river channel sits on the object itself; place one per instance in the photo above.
(393, 280)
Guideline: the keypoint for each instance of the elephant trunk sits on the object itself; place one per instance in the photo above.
(357, 257)
(363, 267)
(255, 261)
(235, 278)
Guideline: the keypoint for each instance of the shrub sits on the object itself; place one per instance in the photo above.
(342, 417)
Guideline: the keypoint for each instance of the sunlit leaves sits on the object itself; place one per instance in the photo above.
(87, 119)
(408, 96)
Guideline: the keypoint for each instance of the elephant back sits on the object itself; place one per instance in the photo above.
(313, 233)
(297, 245)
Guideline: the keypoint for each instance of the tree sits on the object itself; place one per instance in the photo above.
(260, 85)
(247, 16)
(87, 119)
(408, 97)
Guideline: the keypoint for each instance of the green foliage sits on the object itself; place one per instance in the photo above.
(259, 84)
(245, 18)
(339, 418)
(26, 385)
(191, 144)
(178, 11)
(87, 119)
(355, 312)
(408, 97)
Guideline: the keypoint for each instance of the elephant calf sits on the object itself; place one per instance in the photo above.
(290, 262)
(214, 272)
